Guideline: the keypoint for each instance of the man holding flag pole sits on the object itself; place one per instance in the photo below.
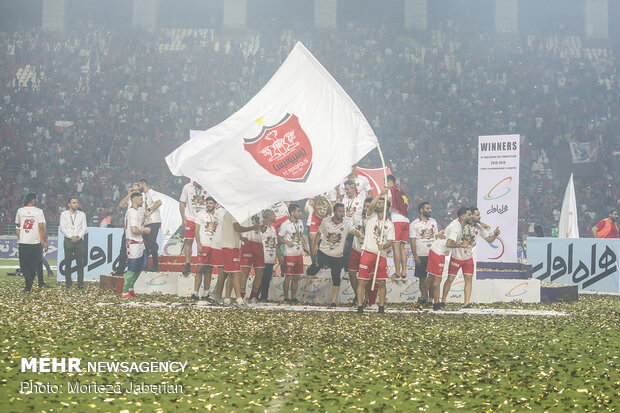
(373, 263)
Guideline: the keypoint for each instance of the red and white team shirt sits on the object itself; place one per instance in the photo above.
(194, 199)
(470, 234)
(425, 233)
(333, 237)
(292, 232)
(135, 242)
(353, 208)
(454, 232)
(253, 235)
(228, 237)
(361, 183)
(270, 243)
(208, 226)
(372, 233)
(27, 221)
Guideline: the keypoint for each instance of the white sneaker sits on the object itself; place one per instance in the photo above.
(253, 300)
(373, 307)
(241, 304)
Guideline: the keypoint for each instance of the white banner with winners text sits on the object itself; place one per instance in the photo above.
(498, 195)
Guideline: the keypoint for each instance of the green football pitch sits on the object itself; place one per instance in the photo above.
(250, 360)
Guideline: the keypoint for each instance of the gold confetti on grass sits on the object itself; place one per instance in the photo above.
(311, 361)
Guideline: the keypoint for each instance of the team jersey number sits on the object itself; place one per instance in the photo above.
(28, 223)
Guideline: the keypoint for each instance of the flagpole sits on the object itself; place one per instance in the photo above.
(374, 276)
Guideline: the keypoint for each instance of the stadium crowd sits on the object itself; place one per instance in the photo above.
(88, 112)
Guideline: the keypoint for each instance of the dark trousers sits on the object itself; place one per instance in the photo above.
(30, 262)
(335, 264)
(151, 244)
(40, 278)
(263, 290)
(122, 257)
(74, 252)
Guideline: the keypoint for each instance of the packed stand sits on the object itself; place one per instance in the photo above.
(87, 113)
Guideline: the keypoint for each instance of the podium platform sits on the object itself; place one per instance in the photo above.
(317, 289)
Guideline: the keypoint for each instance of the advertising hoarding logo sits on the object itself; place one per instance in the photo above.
(500, 248)
(499, 190)
(517, 290)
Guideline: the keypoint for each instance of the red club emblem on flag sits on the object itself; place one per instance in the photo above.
(283, 149)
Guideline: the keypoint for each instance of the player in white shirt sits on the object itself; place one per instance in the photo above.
(251, 255)
(356, 250)
(227, 239)
(206, 225)
(192, 201)
(333, 234)
(462, 258)
(152, 219)
(31, 236)
(440, 249)
(134, 230)
(362, 184)
(314, 221)
(124, 204)
(422, 233)
(378, 238)
(291, 234)
(72, 226)
(353, 202)
(270, 242)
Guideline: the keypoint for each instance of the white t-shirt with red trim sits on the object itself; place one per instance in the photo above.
(454, 232)
(27, 220)
(372, 233)
(208, 226)
(425, 233)
(333, 237)
(292, 232)
(194, 199)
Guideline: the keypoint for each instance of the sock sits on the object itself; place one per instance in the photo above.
(253, 293)
(129, 276)
(242, 293)
(372, 295)
(226, 300)
(196, 291)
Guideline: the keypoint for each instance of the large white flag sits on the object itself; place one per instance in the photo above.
(296, 138)
(568, 227)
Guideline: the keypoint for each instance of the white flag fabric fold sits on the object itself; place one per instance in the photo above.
(170, 219)
(297, 137)
(568, 227)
